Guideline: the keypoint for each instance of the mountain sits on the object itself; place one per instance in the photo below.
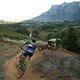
(5, 22)
(63, 12)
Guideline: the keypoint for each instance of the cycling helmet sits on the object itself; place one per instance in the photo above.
(33, 40)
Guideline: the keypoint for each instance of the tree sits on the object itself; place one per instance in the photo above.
(1, 36)
(35, 33)
(50, 35)
(23, 31)
(71, 40)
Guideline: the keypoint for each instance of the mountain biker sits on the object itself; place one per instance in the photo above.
(29, 51)
(54, 42)
(51, 42)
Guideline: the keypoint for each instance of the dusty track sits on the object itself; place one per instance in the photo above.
(11, 71)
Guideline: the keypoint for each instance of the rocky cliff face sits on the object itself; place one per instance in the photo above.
(63, 12)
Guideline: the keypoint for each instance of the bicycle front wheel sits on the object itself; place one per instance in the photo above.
(21, 68)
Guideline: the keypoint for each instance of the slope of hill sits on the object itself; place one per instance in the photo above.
(10, 31)
(7, 50)
(63, 12)
(46, 65)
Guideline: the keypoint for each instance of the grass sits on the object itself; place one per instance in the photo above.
(9, 32)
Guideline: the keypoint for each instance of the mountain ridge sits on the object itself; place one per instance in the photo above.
(63, 12)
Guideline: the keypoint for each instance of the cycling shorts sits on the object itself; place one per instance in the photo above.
(29, 51)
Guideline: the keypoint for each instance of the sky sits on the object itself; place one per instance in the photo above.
(17, 10)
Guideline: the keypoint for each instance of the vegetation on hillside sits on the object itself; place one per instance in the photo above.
(9, 32)
(45, 31)
(55, 65)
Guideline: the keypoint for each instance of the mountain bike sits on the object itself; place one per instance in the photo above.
(21, 66)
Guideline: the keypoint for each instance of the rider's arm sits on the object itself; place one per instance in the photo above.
(23, 45)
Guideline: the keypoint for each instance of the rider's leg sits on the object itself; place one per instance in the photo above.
(28, 58)
(22, 58)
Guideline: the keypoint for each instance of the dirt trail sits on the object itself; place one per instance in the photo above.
(11, 71)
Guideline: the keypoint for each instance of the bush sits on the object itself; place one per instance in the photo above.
(70, 41)
(61, 66)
